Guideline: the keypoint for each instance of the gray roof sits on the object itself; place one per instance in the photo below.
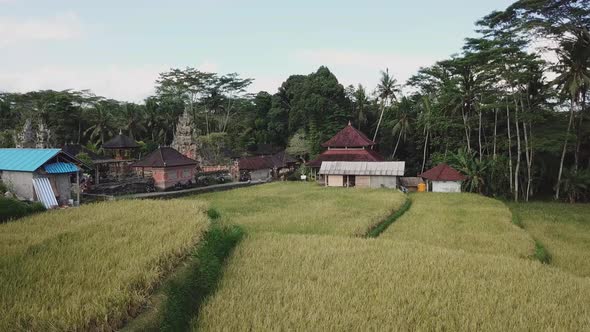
(391, 168)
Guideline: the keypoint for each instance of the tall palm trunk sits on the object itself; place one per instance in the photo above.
(425, 146)
(466, 128)
(479, 136)
(396, 144)
(509, 144)
(495, 131)
(567, 134)
(518, 152)
(379, 122)
(579, 134)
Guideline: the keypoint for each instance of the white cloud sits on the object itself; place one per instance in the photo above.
(125, 83)
(63, 26)
(352, 67)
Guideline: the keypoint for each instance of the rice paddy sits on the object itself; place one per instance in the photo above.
(314, 283)
(91, 268)
(468, 222)
(564, 230)
(304, 208)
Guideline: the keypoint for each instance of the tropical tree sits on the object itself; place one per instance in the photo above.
(386, 92)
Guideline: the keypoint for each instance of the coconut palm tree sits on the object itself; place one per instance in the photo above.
(574, 80)
(403, 124)
(386, 92)
(101, 118)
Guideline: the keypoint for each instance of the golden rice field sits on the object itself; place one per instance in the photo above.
(90, 268)
(315, 283)
(464, 221)
(564, 230)
(304, 208)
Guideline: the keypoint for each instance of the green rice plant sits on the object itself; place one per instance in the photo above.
(305, 208)
(564, 231)
(93, 267)
(11, 209)
(469, 222)
(382, 226)
(277, 282)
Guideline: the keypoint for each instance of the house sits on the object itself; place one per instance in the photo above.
(167, 167)
(443, 178)
(43, 175)
(411, 183)
(366, 174)
(264, 167)
(347, 145)
(116, 166)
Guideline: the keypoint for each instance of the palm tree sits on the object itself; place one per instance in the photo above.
(574, 80)
(361, 101)
(402, 125)
(386, 90)
(426, 119)
(133, 118)
(101, 119)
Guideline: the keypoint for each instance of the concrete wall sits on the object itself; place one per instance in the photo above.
(62, 187)
(446, 186)
(335, 181)
(260, 174)
(363, 181)
(378, 181)
(165, 178)
(21, 183)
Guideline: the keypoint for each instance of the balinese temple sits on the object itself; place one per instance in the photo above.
(347, 145)
(121, 145)
(117, 167)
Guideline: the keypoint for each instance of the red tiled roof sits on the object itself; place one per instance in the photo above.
(165, 157)
(348, 137)
(345, 155)
(442, 172)
(278, 160)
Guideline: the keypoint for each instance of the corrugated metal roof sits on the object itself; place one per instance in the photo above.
(61, 168)
(25, 160)
(391, 168)
(44, 192)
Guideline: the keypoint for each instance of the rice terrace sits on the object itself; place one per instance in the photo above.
(294, 166)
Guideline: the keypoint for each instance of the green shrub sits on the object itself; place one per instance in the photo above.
(13, 209)
(213, 214)
(382, 226)
(3, 188)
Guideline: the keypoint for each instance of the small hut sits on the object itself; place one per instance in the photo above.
(167, 167)
(443, 179)
(115, 167)
(43, 175)
(411, 182)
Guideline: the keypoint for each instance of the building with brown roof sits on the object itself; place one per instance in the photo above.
(349, 144)
(266, 166)
(443, 178)
(167, 167)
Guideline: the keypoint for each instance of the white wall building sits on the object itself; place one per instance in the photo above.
(364, 174)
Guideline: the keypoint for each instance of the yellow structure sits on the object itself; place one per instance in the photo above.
(421, 187)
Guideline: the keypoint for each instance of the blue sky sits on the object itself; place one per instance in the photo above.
(117, 48)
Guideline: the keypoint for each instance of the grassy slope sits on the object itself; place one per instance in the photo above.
(564, 229)
(303, 282)
(462, 221)
(305, 208)
(90, 267)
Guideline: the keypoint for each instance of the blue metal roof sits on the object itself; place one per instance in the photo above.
(61, 168)
(25, 160)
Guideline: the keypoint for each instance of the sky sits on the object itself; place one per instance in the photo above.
(117, 48)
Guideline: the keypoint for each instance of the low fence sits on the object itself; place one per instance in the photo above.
(191, 191)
